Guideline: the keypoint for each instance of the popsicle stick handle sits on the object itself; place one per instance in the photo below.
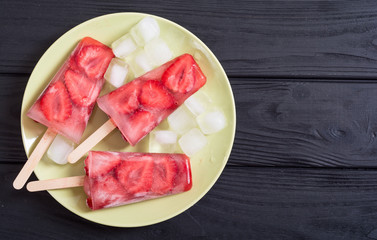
(91, 141)
(58, 183)
(34, 158)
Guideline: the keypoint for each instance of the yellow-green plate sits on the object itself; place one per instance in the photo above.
(207, 165)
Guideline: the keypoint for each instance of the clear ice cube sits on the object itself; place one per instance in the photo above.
(158, 51)
(124, 46)
(59, 149)
(116, 73)
(211, 122)
(165, 137)
(140, 63)
(145, 30)
(192, 142)
(181, 120)
(198, 103)
(162, 141)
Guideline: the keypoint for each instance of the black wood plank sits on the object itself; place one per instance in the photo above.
(273, 203)
(288, 62)
(317, 39)
(319, 124)
(12, 87)
(245, 203)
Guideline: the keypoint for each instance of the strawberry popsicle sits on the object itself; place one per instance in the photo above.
(119, 178)
(140, 105)
(67, 102)
(115, 178)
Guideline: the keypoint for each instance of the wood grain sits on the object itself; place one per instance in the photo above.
(318, 124)
(314, 39)
(279, 123)
(275, 203)
(57, 183)
(34, 158)
(245, 203)
(12, 87)
(91, 141)
(304, 80)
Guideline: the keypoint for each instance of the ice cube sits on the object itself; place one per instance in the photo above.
(158, 51)
(198, 103)
(140, 63)
(192, 142)
(145, 30)
(162, 141)
(181, 120)
(165, 137)
(59, 149)
(116, 73)
(124, 46)
(211, 122)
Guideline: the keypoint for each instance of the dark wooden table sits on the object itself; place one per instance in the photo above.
(304, 77)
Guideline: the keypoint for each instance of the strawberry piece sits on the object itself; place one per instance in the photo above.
(125, 99)
(179, 77)
(82, 90)
(200, 78)
(164, 173)
(101, 163)
(106, 192)
(140, 123)
(94, 60)
(55, 103)
(72, 64)
(154, 95)
(184, 176)
(136, 174)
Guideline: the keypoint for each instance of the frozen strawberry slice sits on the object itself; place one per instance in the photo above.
(73, 65)
(179, 77)
(154, 95)
(141, 122)
(183, 173)
(101, 163)
(164, 173)
(55, 103)
(94, 60)
(136, 175)
(82, 90)
(106, 192)
(125, 98)
(200, 78)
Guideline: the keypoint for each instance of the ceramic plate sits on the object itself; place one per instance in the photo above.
(207, 164)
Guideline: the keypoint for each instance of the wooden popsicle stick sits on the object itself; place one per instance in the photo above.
(58, 183)
(34, 158)
(91, 141)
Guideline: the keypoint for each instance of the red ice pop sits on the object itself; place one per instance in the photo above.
(67, 102)
(137, 107)
(115, 178)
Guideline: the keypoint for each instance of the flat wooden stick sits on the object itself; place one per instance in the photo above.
(91, 141)
(34, 158)
(58, 183)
